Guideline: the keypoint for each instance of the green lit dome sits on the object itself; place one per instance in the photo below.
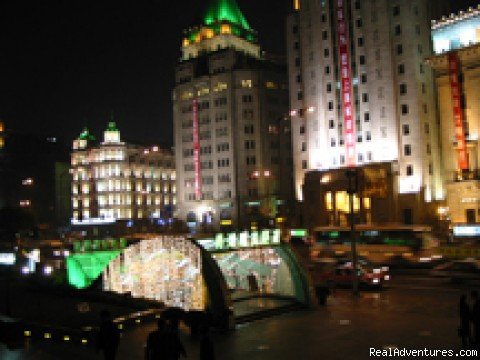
(85, 135)
(112, 126)
(225, 10)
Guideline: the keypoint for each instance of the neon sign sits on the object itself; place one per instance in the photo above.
(346, 81)
(455, 86)
(196, 151)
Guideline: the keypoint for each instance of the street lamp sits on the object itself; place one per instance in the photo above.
(352, 176)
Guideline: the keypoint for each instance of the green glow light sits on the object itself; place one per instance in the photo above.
(84, 268)
(225, 10)
(85, 135)
(298, 232)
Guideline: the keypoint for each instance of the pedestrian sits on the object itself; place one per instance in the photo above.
(174, 344)
(207, 350)
(475, 317)
(108, 336)
(464, 329)
(157, 343)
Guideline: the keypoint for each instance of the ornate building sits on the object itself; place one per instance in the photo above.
(115, 181)
(232, 145)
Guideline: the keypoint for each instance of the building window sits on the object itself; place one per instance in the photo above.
(429, 149)
(333, 142)
(249, 144)
(427, 128)
(407, 150)
(297, 62)
(251, 160)
(365, 97)
(304, 146)
(295, 29)
(247, 98)
(300, 95)
(366, 117)
(369, 156)
(363, 78)
(399, 49)
(404, 109)
(324, 35)
(401, 69)
(302, 129)
(406, 129)
(327, 70)
(360, 41)
(368, 136)
(326, 52)
(409, 170)
(331, 124)
(249, 129)
(398, 30)
(421, 69)
(304, 164)
(396, 10)
(359, 23)
(362, 59)
(403, 89)
(329, 88)
(330, 105)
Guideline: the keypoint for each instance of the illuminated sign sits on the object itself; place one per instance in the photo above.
(196, 151)
(346, 82)
(298, 232)
(7, 259)
(96, 221)
(242, 240)
(456, 89)
(466, 231)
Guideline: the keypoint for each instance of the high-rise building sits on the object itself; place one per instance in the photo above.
(361, 96)
(232, 143)
(456, 42)
(115, 181)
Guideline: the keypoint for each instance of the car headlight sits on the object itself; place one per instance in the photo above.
(375, 281)
(385, 268)
(387, 277)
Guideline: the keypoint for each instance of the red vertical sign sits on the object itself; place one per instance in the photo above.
(196, 151)
(455, 87)
(346, 82)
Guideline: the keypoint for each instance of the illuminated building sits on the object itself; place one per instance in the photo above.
(231, 137)
(456, 41)
(118, 181)
(361, 96)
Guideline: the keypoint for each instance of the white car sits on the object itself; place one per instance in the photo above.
(458, 270)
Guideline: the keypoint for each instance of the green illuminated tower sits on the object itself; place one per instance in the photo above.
(224, 26)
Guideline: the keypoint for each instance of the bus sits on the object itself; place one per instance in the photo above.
(373, 241)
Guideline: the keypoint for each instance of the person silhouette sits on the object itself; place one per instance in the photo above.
(464, 313)
(157, 345)
(174, 344)
(108, 336)
(207, 349)
(475, 317)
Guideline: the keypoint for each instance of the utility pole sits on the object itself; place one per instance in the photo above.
(352, 176)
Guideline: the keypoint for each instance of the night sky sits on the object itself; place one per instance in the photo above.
(66, 64)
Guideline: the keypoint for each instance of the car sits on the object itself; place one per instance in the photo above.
(342, 276)
(458, 270)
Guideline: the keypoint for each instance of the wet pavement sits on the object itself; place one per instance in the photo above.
(415, 312)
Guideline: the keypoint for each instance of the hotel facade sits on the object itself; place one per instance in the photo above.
(232, 140)
(362, 98)
(117, 182)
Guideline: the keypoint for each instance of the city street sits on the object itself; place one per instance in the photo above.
(415, 312)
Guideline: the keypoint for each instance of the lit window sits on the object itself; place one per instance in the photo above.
(247, 84)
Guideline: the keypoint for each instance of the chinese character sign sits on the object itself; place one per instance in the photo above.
(455, 86)
(196, 151)
(346, 83)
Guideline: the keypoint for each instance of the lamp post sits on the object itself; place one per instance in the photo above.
(352, 176)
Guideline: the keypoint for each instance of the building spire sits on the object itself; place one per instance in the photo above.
(225, 10)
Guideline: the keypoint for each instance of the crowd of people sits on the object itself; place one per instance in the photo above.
(162, 344)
